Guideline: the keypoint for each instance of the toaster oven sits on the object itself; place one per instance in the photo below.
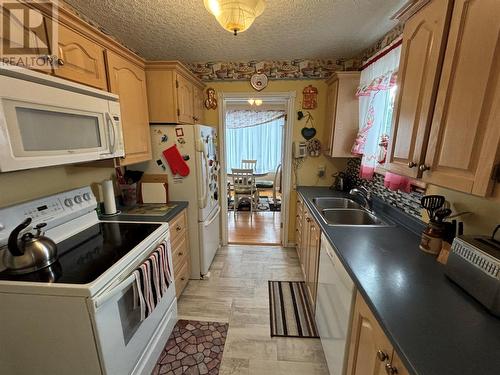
(474, 264)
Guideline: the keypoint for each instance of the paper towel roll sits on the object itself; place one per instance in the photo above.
(109, 197)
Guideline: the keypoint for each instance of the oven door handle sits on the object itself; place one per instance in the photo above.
(110, 293)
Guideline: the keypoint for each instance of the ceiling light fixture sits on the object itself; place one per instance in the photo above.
(235, 16)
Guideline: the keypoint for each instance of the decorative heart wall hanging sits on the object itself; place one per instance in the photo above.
(308, 133)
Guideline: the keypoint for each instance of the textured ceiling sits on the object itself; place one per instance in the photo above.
(184, 30)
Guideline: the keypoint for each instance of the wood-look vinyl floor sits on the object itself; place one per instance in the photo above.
(237, 292)
(257, 228)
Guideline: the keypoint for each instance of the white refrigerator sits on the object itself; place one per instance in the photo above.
(198, 146)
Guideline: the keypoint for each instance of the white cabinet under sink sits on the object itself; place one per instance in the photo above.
(334, 304)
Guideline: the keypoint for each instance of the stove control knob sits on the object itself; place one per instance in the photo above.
(78, 199)
(86, 197)
(68, 202)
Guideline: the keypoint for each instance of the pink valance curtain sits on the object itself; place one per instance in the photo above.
(376, 94)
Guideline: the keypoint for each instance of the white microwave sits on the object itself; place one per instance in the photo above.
(45, 121)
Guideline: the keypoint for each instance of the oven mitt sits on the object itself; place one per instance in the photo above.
(175, 161)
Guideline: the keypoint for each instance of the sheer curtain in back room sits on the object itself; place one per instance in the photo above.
(255, 135)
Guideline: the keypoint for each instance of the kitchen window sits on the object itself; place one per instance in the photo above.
(376, 93)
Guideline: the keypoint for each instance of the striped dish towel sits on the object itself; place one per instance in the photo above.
(152, 279)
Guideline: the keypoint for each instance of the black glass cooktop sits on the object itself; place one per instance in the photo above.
(87, 255)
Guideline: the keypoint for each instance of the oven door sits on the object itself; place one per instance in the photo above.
(122, 337)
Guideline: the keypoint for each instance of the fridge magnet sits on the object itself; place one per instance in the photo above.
(179, 132)
(181, 141)
(164, 138)
(186, 157)
(211, 101)
(310, 97)
(175, 161)
(160, 164)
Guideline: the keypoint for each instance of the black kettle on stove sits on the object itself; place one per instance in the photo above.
(30, 253)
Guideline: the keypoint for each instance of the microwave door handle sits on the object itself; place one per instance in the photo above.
(111, 132)
(110, 293)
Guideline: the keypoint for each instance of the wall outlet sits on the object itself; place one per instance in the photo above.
(321, 171)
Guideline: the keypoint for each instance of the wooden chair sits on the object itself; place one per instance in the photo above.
(249, 164)
(244, 186)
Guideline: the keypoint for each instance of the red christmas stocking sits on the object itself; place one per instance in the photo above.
(175, 161)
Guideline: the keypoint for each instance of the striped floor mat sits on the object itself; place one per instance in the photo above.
(291, 313)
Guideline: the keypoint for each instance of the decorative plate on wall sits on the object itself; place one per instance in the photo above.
(259, 81)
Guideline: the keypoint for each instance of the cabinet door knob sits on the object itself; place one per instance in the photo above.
(308, 219)
(411, 164)
(424, 168)
(382, 356)
(178, 228)
(60, 62)
(180, 253)
(390, 370)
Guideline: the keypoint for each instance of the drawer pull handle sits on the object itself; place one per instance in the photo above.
(390, 370)
(424, 168)
(382, 356)
(182, 278)
(411, 164)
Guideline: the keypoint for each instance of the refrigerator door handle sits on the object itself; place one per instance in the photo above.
(202, 201)
(212, 219)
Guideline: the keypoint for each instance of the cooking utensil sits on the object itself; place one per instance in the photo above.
(31, 253)
(442, 214)
(432, 203)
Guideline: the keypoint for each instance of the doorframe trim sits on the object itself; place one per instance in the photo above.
(286, 183)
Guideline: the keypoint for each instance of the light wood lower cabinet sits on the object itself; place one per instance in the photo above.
(128, 81)
(181, 258)
(308, 245)
(80, 59)
(370, 351)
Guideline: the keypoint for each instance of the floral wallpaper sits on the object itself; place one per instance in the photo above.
(387, 39)
(283, 69)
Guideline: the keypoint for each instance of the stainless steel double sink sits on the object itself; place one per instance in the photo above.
(346, 212)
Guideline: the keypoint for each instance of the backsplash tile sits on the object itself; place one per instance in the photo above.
(408, 202)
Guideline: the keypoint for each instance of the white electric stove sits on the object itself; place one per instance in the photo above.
(78, 315)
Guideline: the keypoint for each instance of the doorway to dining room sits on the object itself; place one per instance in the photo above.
(253, 135)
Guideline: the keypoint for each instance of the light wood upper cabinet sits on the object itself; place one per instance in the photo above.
(129, 82)
(175, 95)
(465, 131)
(342, 116)
(370, 351)
(199, 106)
(185, 100)
(14, 32)
(424, 39)
(81, 60)
(450, 139)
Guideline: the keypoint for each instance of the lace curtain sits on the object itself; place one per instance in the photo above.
(254, 135)
(376, 93)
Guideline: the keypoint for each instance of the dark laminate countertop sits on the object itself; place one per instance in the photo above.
(436, 328)
(180, 205)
